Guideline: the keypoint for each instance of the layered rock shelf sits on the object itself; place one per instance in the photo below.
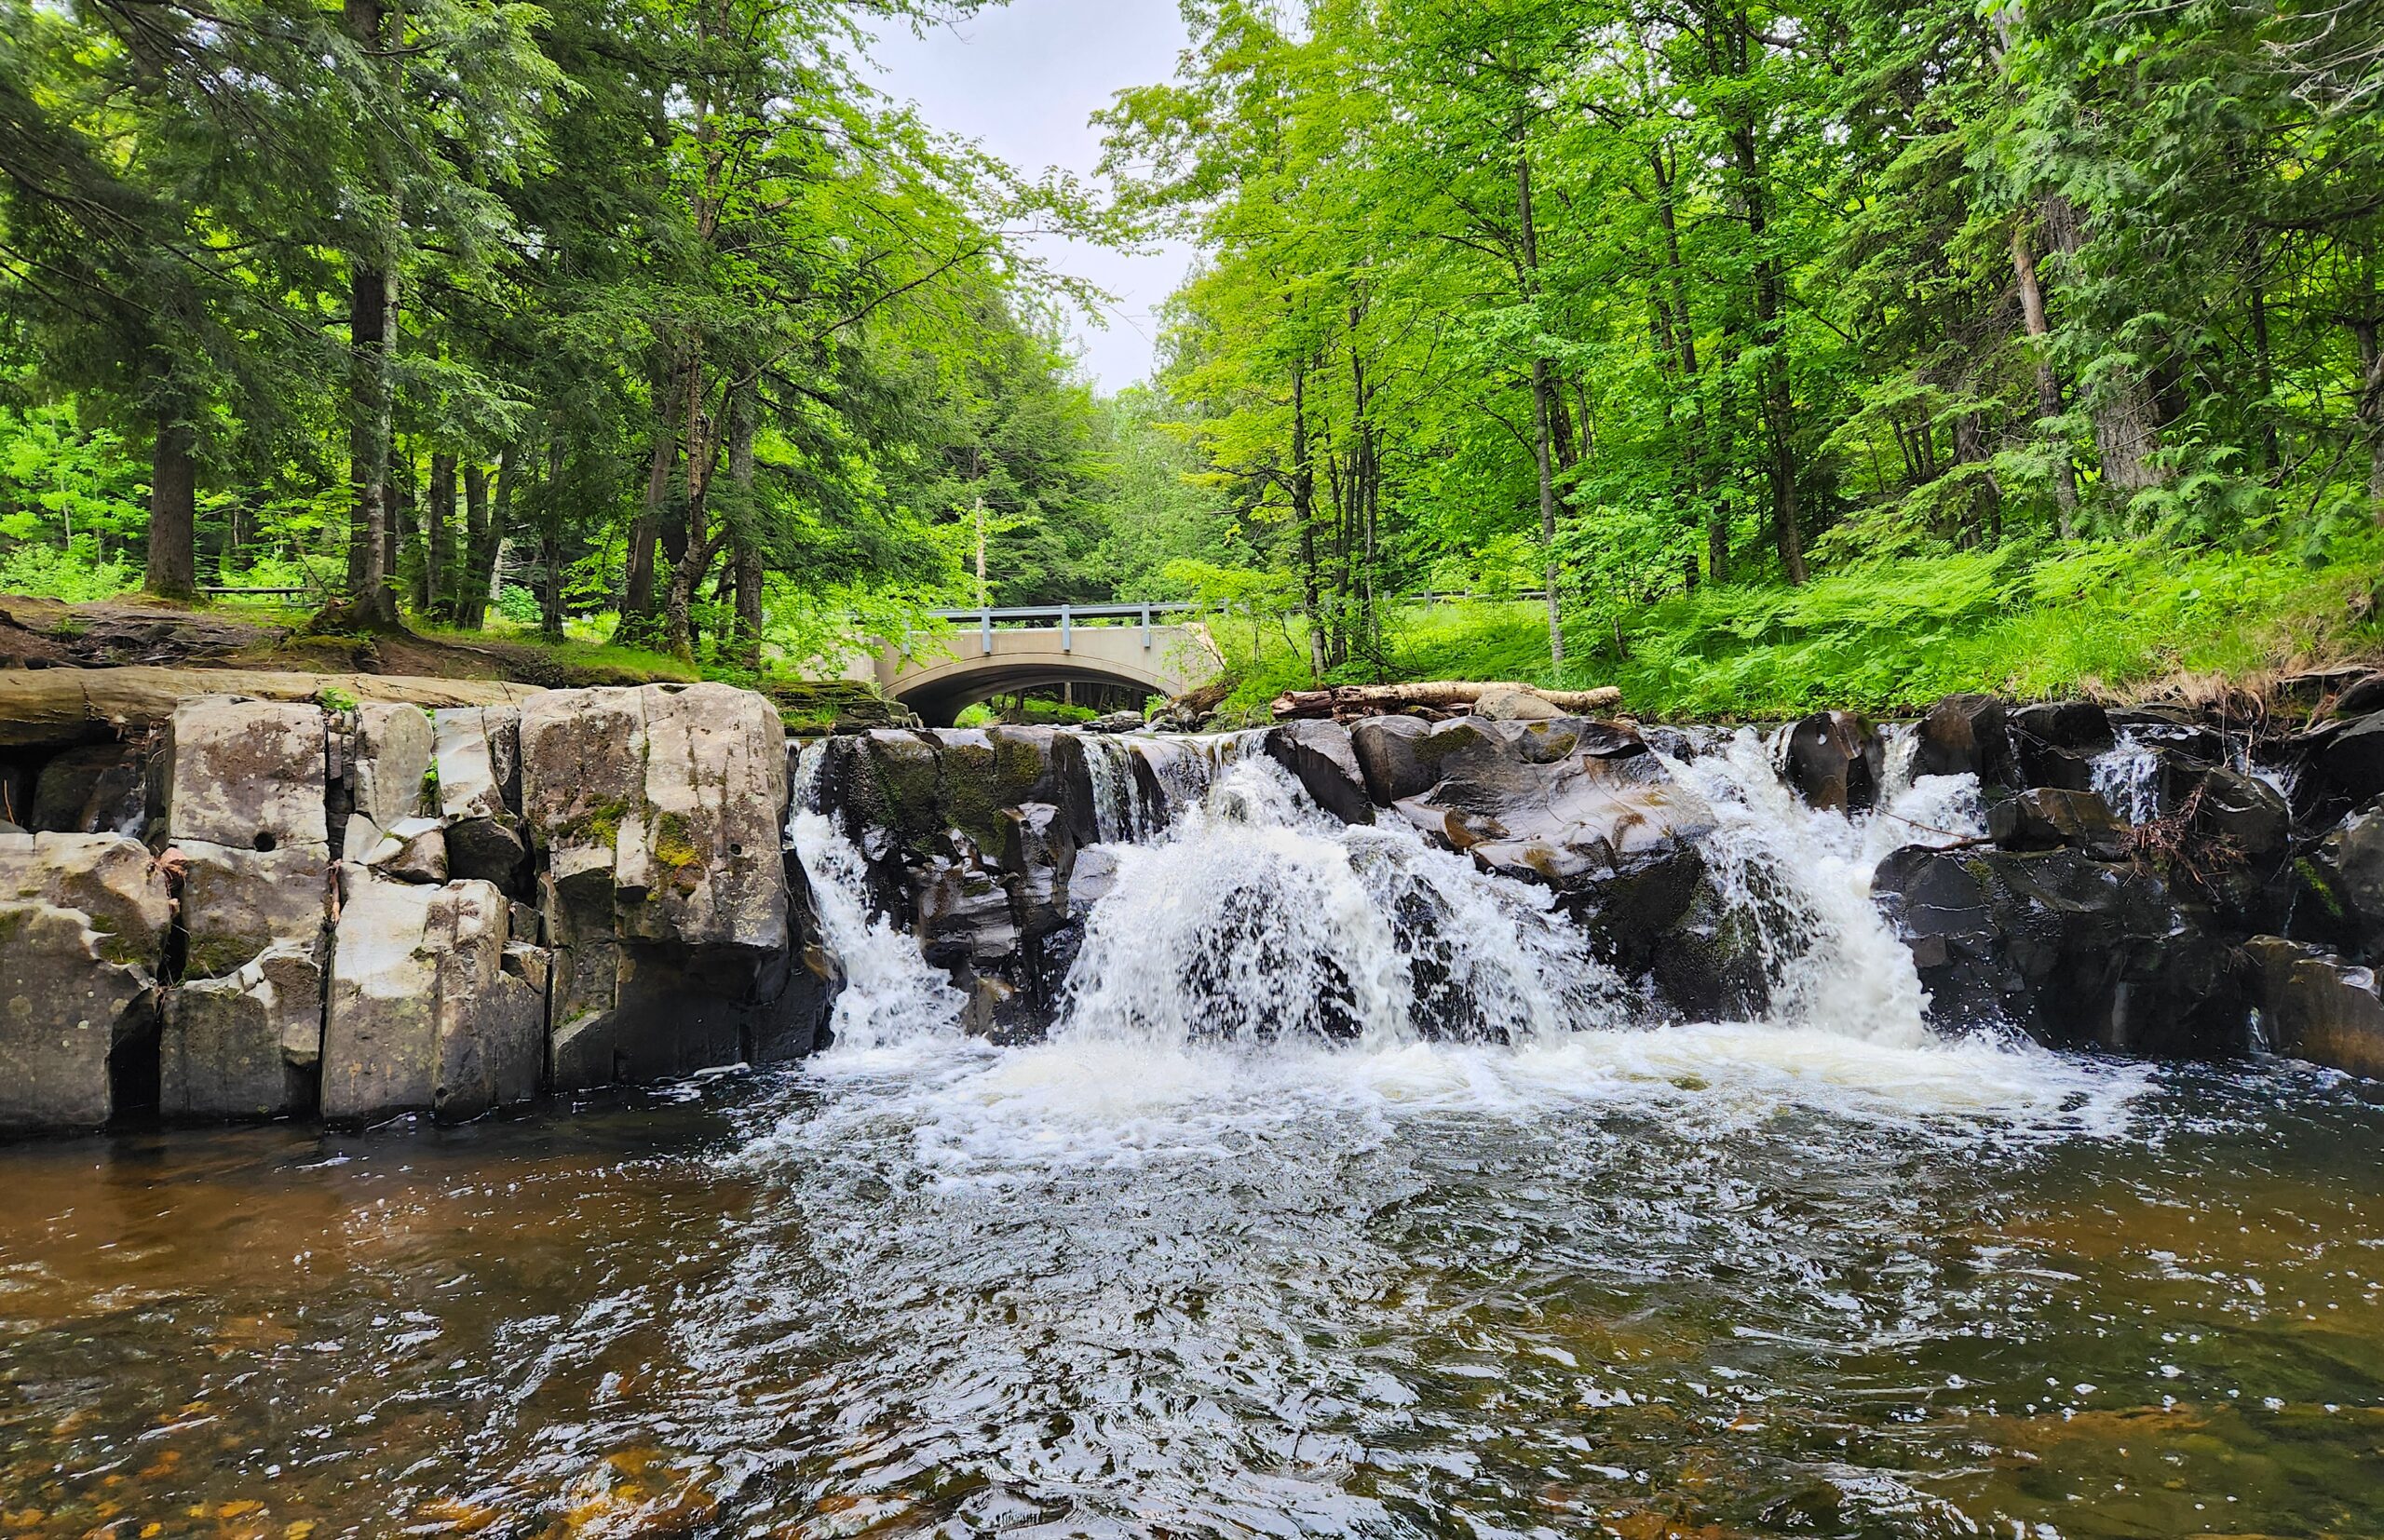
(273, 908)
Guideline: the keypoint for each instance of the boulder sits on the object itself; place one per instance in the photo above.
(246, 774)
(97, 789)
(2315, 1005)
(83, 926)
(1510, 703)
(2361, 697)
(2065, 948)
(413, 850)
(1318, 754)
(1387, 752)
(1836, 761)
(2350, 761)
(656, 815)
(478, 751)
(389, 773)
(2049, 818)
(1116, 722)
(431, 1006)
(1966, 735)
(1583, 808)
(489, 850)
(2247, 812)
(246, 1045)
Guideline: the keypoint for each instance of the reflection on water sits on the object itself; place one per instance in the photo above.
(1715, 1281)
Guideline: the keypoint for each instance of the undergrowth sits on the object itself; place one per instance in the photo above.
(2027, 622)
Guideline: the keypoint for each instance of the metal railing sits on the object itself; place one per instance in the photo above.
(1066, 615)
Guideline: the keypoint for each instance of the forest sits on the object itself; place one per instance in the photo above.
(1749, 356)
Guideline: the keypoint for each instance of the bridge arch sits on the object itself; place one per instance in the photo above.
(987, 660)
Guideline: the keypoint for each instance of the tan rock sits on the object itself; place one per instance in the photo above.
(246, 774)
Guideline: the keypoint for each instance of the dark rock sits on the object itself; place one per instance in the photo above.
(1116, 722)
(2055, 743)
(2179, 733)
(98, 788)
(2317, 1007)
(2065, 948)
(1319, 756)
(1966, 735)
(1388, 758)
(2246, 812)
(2365, 697)
(2350, 761)
(489, 850)
(1835, 762)
(2049, 818)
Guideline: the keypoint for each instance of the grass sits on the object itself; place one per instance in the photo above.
(2101, 618)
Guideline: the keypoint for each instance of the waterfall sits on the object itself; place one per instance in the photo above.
(2127, 775)
(891, 991)
(1805, 875)
(1255, 915)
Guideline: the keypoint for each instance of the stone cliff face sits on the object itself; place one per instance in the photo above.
(386, 910)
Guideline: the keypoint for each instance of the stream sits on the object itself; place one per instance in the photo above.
(1240, 1252)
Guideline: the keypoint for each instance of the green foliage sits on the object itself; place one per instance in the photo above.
(76, 575)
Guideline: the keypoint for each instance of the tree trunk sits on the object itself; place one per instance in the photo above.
(2371, 410)
(438, 540)
(470, 603)
(1779, 400)
(2123, 412)
(639, 612)
(550, 547)
(2032, 320)
(1304, 513)
(1542, 411)
(371, 321)
(174, 509)
(744, 549)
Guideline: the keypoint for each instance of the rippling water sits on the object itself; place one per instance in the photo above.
(1811, 1276)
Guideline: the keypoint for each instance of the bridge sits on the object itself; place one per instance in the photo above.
(991, 651)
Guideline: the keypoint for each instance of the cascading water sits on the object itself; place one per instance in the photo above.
(2127, 775)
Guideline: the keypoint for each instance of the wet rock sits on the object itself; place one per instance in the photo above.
(2350, 762)
(1966, 735)
(83, 924)
(1389, 761)
(2337, 886)
(2049, 818)
(431, 1007)
(2362, 696)
(2246, 812)
(2065, 948)
(1836, 761)
(2055, 743)
(2178, 734)
(245, 1046)
(1319, 756)
(1116, 722)
(2315, 1005)
(97, 789)
(246, 774)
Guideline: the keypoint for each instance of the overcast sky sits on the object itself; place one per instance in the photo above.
(1024, 78)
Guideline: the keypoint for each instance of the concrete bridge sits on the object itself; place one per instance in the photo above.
(1137, 647)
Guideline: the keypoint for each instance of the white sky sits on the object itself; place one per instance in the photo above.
(1024, 78)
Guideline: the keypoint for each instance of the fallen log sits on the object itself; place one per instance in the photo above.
(1439, 694)
(58, 708)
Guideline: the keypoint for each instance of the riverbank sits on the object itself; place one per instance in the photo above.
(2104, 620)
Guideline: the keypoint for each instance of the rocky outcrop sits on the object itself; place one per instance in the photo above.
(84, 921)
(656, 815)
(1319, 756)
(2069, 949)
(1966, 735)
(94, 789)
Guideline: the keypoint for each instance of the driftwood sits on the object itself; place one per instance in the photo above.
(55, 707)
(1435, 696)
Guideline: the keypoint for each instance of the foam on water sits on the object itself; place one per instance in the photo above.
(1260, 963)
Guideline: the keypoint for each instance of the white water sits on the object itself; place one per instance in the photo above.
(1258, 962)
(2127, 775)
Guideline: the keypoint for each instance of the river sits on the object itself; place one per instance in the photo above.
(1218, 1260)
